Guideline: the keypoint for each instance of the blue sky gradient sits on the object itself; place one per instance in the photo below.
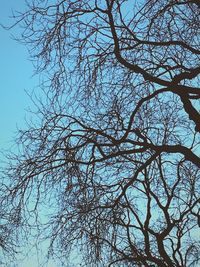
(15, 77)
(16, 73)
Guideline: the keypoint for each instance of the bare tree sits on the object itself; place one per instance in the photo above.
(114, 146)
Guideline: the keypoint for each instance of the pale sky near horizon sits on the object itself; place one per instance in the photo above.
(15, 78)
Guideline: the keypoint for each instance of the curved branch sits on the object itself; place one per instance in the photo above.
(188, 154)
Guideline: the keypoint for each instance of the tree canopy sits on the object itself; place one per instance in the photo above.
(109, 165)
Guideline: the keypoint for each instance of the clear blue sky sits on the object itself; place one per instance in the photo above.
(15, 77)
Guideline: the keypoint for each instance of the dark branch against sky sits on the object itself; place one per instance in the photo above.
(113, 150)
